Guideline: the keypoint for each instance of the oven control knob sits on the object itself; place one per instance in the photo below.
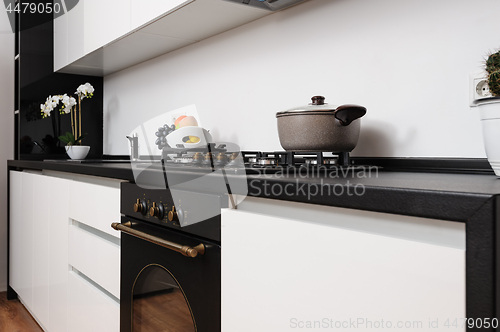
(176, 215)
(140, 206)
(156, 211)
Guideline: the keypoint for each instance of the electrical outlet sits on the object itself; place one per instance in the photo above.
(482, 88)
(479, 91)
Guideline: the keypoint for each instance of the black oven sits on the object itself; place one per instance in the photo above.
(170, 262)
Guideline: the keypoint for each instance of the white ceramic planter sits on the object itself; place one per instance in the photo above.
(490, 120)
(77, 152)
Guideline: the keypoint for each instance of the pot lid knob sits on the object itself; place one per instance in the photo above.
(318, 100)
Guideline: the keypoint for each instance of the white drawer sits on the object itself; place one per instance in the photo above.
(89, 309)
(97, 205)
(95, 255)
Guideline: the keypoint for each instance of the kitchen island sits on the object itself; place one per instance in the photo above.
(470, 199)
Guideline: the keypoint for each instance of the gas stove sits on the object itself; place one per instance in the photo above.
(219, 155)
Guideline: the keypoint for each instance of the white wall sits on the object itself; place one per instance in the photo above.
(408, 62)
(6, 131)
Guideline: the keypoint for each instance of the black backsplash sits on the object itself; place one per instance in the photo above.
(33, 128)
(36, 138)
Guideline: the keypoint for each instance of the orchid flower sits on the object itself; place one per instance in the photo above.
(85, 90)
(68, 103)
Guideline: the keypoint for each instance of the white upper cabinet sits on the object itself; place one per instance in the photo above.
(100, 37)
(104, 21)
(91, 24)
(143, 11)
(75, 37)
(60, 42)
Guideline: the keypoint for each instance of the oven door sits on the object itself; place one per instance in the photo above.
(164, 290)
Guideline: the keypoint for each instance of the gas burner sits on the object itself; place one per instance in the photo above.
(289, 159)
(311, 161)
(263, 161)
(216, 156)
(183, 160)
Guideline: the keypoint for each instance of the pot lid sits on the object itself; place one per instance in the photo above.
(317, 105)
(344, 113)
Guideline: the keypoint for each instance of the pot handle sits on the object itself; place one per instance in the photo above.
(348, 113)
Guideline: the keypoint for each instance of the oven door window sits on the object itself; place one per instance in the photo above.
(159, 303)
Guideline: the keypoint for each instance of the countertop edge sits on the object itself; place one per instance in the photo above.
(434, 204)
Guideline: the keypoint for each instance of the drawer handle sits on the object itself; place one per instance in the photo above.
(185, 250)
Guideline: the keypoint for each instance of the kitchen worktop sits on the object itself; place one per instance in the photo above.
(467, 198)
(444, 196)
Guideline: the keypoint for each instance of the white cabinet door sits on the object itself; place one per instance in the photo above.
(96, 256)
(89, 309)
(39, 261)
(75, 27)
(17, 269)
(292, 274)
(104, 21)
(39, 246)
(60, 42)
(143, 11)
(41, 225)
(58, 255)
(90, 25)
(96, 204)
(21, 236)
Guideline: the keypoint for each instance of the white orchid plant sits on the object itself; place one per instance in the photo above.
(69, 106)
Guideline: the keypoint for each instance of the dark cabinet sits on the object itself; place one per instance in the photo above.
(35, 80)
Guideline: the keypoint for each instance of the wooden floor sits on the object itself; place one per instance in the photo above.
(14, 317)
(160, 313)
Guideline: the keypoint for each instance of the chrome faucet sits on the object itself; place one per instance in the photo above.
(134, 147)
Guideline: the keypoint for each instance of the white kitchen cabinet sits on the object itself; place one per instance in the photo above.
(33, 239)
(21, 236)
(93, 259)
(104, 21)
(104, 37)
(61, 48)
(90, 25)
(143, 11)
(38, 215)
(58, 256)
(96, 256)
(42, 259)
(89, 309)
(16, 230)
(293, 264)
(41, 238)
(96, 202)
(75, 45)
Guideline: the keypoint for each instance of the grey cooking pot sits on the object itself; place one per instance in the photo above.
(320, 127)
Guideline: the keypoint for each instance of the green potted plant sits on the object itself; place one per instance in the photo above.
(493, 69)
(490, 112)
(73, 139)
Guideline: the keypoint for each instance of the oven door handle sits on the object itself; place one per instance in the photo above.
(185, 250)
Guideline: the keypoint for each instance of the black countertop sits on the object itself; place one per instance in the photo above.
(470, 198)
(447, 196)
